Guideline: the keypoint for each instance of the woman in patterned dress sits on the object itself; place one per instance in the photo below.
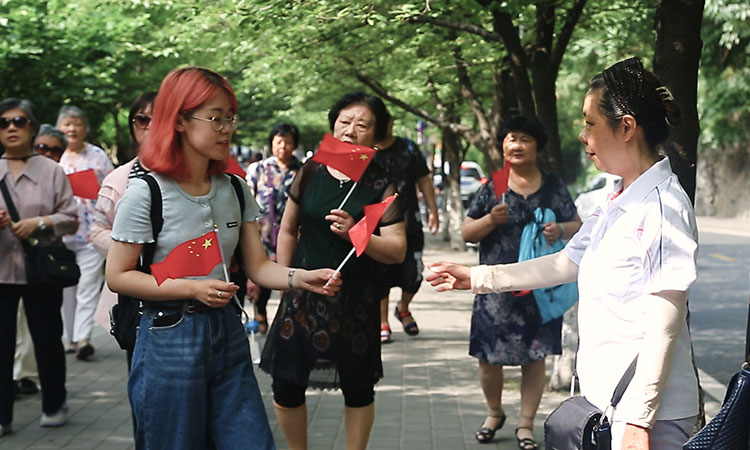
(505, 327)
(334, 342)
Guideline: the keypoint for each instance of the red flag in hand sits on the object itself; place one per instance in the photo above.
(360, 233)
(234, 167)
(193, 258)
(349, 159)
(500, 179)
(84, 184)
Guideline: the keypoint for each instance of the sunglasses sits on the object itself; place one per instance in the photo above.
(141, 121)
(18, 122)
(48, 148)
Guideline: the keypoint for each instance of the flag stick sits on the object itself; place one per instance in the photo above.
(338, 269)
(502, 198)
(254, 347)
(348, 195)
(226, 275)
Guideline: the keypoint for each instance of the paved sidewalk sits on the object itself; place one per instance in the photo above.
(429, 399)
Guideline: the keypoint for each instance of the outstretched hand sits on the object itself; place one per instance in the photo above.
(320, 281)
(448, 276)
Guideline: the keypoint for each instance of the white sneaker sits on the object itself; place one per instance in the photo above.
(57, 419)
(5, 429)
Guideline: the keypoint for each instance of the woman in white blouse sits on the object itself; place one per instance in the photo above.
(634, 260)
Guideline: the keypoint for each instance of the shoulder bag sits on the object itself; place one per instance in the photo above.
(576, 424)
(52, 266)
(730, 428)
(552, 301)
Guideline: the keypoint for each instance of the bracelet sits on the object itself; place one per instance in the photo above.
(562, 230)
(290, 278)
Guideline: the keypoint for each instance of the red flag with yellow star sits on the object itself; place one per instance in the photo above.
(361, 232)
(349, 159)
(193, 258)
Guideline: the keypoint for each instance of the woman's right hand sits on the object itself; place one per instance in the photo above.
(4, 219)
(214, 293)
(448, 276)
(499, 214)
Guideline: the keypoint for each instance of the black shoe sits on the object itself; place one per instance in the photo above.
(26, 386)
(85, 352)
(486, 434)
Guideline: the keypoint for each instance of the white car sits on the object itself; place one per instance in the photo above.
(595, 194)
(472, 178)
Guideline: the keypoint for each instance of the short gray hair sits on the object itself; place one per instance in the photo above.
(48, 130)
(73, 111)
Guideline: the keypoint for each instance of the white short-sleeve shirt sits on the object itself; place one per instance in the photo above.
(640, 242)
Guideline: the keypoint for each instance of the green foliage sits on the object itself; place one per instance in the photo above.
(724, 84)
(290, 59)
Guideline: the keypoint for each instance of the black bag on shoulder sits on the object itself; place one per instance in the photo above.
(125, 315)
(576, 424)
(730, 428)
(51, 266)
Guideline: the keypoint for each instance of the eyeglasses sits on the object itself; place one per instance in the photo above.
(218, 123)
(18, 122)
(44, 148)
(141, 121)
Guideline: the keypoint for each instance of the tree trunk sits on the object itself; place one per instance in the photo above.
(546, 101)
(676, 59)
(453, 155)
(563, 365)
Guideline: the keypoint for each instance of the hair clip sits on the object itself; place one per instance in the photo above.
(664, 94)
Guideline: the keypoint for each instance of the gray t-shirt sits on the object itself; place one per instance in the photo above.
(185, 216)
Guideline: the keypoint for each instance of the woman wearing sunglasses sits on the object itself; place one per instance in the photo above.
(114, 184)
(80, 301)
(50, 142)
(43, 199)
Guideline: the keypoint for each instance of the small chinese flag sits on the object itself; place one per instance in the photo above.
(500, 179)
(84, 184)
(349, 159)
(360, 233)
(193, 258)
(235, 168)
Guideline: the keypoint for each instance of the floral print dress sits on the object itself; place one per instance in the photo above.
(505, 327)
(330, 342)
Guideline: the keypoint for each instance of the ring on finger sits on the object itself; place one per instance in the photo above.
(219, 293)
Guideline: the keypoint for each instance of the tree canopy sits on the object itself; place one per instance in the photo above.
(460, 66)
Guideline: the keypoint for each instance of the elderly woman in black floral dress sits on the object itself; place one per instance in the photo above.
(334, 342)
(506, 328)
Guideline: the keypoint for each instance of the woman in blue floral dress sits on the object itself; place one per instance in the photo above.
(505, 327)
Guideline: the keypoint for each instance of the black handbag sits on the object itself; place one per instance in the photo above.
(52, 266)
(576, 424)
(730, 428)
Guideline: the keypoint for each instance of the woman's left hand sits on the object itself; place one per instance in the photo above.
(552, 232)
(635, 438)
(24, 228)
(341, 222)
(320, 281)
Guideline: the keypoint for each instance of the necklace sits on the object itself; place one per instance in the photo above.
(341, 183)
(18, 158)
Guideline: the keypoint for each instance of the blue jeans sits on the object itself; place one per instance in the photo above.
(191, 384)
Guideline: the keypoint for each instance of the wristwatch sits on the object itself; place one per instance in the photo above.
(42, 224)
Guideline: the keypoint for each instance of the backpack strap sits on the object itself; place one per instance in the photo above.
(157, 222)
(238, 190)
(236, 184)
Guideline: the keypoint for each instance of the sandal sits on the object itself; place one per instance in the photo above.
(409, 328)
(526, 443)
(385, 334)
(486, 434)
